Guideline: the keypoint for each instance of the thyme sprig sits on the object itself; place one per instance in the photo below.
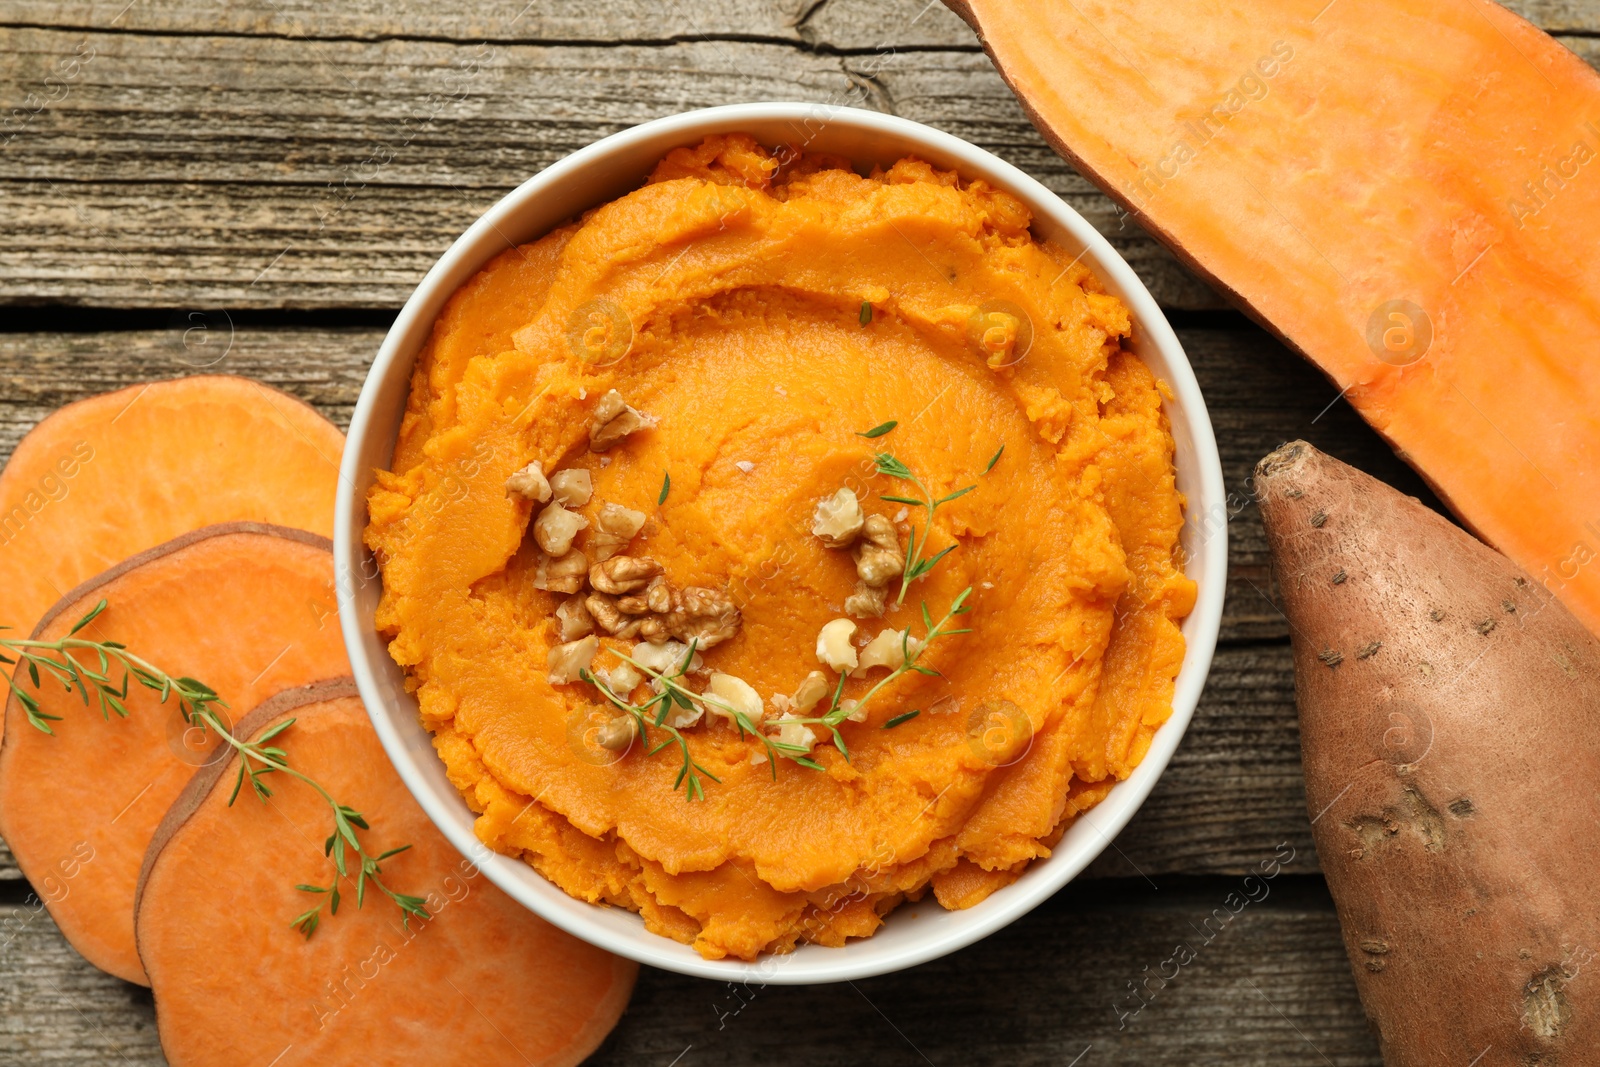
(837, 713)
(200, 706)
(673, 692)
(652, 715)
(916, 565)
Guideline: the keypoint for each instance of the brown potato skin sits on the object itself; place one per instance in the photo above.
(1452, 771)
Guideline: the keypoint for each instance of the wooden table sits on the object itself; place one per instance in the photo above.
(255, 187)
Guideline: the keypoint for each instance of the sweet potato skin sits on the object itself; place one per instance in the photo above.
(482, 981)
(1450, 727)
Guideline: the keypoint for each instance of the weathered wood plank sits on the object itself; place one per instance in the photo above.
(266, 172)
(1270, 985)
(843, 25)
(275, 172)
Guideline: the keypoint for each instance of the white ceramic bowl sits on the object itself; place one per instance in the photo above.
(604, 171)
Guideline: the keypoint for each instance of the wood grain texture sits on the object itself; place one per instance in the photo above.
(181, 167)
(835, 25)
(270, 172)
(1271, 986)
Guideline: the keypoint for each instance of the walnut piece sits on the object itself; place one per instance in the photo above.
(838, 519)
(658, 595)
(623, 574)
(606, 615)
(657, 598)
(727, 694)
(889, 649)
(572, 487)
(563, 574)
(867, 602)
(618, 734)
(555, 528)
(833, 645)
(622, 679)
(794, 733)
(879, 556)
(665, 659)
(530, 482)
(614, 528)
(810, 692)
(613, 420)
(566, 660)
(705, 616)
(574, 619)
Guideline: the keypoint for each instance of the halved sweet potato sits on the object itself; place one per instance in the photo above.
(108, 477)
(481, 981)
(1450, 722)
(1405, 191)
(246, 608)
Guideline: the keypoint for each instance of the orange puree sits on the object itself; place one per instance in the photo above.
(724, 299)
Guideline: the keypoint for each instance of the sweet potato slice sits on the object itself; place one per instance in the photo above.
(481, 981)
(1403, 190)
(246, 608)
(1450, 721)
(106, 478)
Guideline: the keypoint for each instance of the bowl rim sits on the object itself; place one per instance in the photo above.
(399, 729)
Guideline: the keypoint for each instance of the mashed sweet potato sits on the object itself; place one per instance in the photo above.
(764, 315)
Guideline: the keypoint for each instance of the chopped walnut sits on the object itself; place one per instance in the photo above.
(530, 482)
(574, 618)
(811, 691)
(564, 574)
(683, 718)
(572, 487)
(737, 694)
(889, 649)
(555, 528)
(833, 645)
(614, 528)
(794, 733)
(604, 610)
(657, 598)
(658, 595)
(665, 659)
(566, 660)
(855, 711)
(618, 734)
(867, 602)
(622, 679)
(879, 556)
(838, 519)
(653, 628)
(623, 574)
(613, 420)
(705, 616)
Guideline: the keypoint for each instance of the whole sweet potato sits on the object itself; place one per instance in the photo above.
(1450, 725)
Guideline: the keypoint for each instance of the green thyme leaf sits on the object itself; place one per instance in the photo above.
(880, 429)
